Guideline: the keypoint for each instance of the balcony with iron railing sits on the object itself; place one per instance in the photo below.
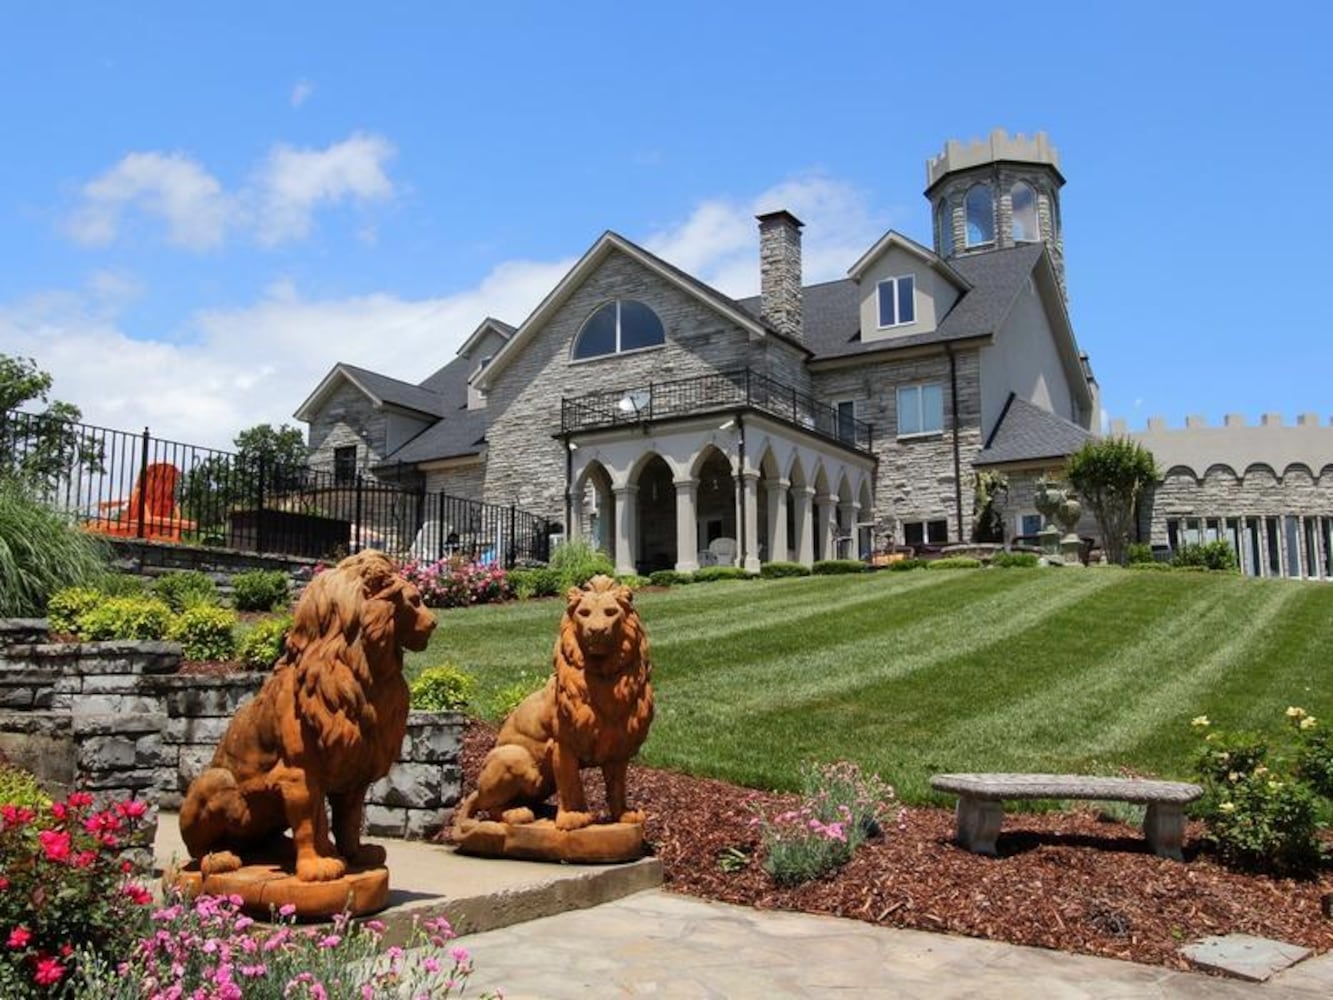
(719, 392)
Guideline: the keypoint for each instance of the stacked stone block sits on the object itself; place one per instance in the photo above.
(415, 799)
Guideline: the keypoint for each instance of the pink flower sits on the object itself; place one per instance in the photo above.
(460, 955)
(59, 810)
(330, 941)
(287, 910)
(4, 884)
(136, 894)
(80, 800)
(49, 970)
(134, 808)
(83, 859)
(55, 843)
(19, 938)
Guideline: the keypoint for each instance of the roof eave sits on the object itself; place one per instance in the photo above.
(326, 384)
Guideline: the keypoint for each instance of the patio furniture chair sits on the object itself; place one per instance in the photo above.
(724, 549)
(155, 492)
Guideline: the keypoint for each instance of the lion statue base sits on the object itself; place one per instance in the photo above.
(594, 711)
(300, 756)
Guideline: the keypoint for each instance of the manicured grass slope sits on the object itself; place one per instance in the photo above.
(914, 673)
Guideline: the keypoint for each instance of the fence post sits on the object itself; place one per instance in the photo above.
(512, 551)
(143, 482)
(358, 512)
(259, 505)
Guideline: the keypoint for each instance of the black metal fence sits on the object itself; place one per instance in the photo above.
(137, 486)
(719, 391)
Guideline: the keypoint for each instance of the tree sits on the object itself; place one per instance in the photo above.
(273, 458)
(989, 491)
(40, 448)
(1110, 474)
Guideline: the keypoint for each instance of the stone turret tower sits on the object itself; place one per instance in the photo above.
(995, 193)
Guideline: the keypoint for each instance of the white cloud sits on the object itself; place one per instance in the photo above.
(302, 92)
(227, 369)
(277, 206)
(294, 182)
(170, 186)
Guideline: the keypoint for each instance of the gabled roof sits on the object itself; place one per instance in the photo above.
(487, 325)
(606, 244)
(1027, 433)
(382, 390)
(462, 432)
(895, 239)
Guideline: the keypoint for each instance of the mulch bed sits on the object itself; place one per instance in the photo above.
(1068, 881)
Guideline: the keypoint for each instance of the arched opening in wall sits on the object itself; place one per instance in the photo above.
(715, 509)
(865, 518)
(1023, 207)
(770, 502)
(798, 521)
(825, 516)
(980, 206)
(595, 509)
(844, 531)
(656, 518)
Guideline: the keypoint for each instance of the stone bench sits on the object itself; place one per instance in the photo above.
(980, 812)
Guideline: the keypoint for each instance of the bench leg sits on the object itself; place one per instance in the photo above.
(978, 824)
(1164, 829)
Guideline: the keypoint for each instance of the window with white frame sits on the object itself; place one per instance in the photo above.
(897, 301)
(920, 409)
(617, 327)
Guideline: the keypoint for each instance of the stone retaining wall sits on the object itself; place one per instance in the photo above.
(118, 719)
(135, 557)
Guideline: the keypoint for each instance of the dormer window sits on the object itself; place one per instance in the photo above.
(897, 301)
(617, 328)
(1023, 203)
(980, 215)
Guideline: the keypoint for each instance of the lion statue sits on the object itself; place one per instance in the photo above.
(327, 724)
(593, 712)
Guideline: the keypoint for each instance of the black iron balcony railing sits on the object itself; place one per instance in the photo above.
(742, 388)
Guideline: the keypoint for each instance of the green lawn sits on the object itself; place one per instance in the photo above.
(914, 673)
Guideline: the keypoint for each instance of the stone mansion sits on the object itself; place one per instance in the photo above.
(675, 426)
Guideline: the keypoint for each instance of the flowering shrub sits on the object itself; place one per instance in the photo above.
(66, 897)
(445, 688)
(1259, 810)
(1314, 751)
(453, 583)
(841, 808)
(209, 950)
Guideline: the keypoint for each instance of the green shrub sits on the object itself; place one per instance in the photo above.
(1216, 555)
(122, 585)
(541, 581)
(1139, 552)
(186, 589)
(577, 562)
(835, 567)
(669, 578)
(511, 695)
(124, 618)
(205, 632)
(446, 688)
(632, 580)
(1314, 751)
(40, 553)
(711, 574)
(905, 565)
(261, 646)
(67, 605)
(1259, 814)
(954, 562)
(777, 570)
(19, 788)
(261, 590)
(1152, 567)
(1014, 560)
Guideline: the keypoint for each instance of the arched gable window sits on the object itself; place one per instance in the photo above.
(1023, 202)
(980, 215)
(946, 228)
(617, 327)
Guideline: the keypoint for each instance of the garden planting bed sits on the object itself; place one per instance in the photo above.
(1067, 881)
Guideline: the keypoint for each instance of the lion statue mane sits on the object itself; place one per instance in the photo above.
(328, 722)
(594, 711)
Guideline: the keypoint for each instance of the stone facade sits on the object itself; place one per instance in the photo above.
(348, 418)
(780, 271)
(465, 481)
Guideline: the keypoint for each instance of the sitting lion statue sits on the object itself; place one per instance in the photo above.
(327, 724)
(593, 712)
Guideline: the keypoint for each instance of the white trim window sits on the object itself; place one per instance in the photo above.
(897, 301)
(920, 409)
(618, 327)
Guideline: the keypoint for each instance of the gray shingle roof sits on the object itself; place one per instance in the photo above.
(460, 432)
(1025, 433)
(397, 392)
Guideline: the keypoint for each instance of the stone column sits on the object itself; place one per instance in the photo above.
(574, 529)
(777, 521)
(848, 513)
(824, 523)
(687, 525)
(627, 505)
(750, 485)
(804, 543)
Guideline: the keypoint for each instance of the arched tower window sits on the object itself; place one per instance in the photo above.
(946, 228)
(980, 215)
(617, 327)
(1023, 200)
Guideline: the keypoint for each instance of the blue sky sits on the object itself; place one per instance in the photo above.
(201, 211)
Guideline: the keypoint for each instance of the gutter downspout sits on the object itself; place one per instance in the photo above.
(957, 461)
(569, 490)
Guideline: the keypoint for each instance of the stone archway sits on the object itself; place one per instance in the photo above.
(715, 508)
(656, 520)
(594, 514)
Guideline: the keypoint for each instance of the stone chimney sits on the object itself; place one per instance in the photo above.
(780, 271)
